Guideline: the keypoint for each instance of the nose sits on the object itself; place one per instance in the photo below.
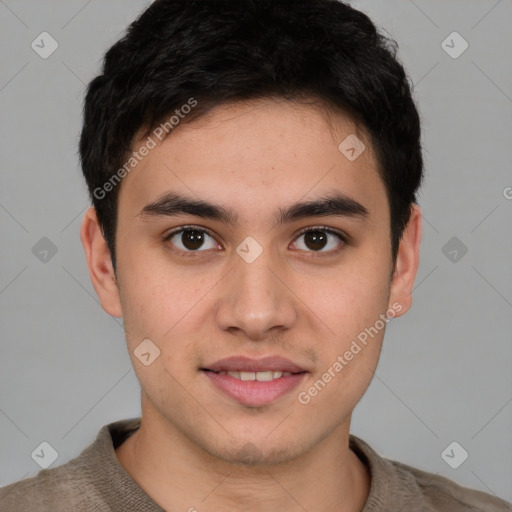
(256, 299)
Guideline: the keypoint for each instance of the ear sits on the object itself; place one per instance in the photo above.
(407, 262)
(100, 265)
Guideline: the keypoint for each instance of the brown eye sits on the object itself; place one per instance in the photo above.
(315, 240)
(191, 240)
(318, 239)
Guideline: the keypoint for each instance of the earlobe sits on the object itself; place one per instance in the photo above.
(99, 263)
(407, 262)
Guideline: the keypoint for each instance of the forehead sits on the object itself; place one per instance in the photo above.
(254, 154)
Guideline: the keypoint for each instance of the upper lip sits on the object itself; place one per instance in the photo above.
(247, 364)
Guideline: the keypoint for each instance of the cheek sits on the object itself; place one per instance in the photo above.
(154, 302)
(349, 347)
(161, 309)
(349, 305)
(350, 298)
(164, 304)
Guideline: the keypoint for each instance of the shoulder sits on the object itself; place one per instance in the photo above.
(57, 489)
(398, 486)
(84, 483)
(442, 494)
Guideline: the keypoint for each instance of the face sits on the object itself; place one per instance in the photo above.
(258, 271)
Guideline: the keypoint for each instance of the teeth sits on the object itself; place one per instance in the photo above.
(259, 376)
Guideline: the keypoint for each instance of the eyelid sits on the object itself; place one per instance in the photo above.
(327, 229)
(169, 235)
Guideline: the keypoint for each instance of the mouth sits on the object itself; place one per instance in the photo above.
(254, 392)
(254, 382)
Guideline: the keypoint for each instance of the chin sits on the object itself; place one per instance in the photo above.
(257, 453)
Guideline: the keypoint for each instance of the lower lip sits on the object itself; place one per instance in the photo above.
(253, 392)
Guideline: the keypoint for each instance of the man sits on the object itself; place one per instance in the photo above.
(253, 167)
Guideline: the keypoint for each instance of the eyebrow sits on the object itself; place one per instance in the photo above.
(333, 204)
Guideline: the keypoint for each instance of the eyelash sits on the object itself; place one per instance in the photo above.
(325, 229)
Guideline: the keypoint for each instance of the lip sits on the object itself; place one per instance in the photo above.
(247, 364)
(252, 392)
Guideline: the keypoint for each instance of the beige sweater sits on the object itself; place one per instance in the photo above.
(96, 481)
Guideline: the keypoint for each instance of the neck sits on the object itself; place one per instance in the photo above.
(179, 475)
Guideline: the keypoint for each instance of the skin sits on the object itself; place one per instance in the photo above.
(307, 306)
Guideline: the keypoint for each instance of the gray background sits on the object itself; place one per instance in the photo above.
(445, 372)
